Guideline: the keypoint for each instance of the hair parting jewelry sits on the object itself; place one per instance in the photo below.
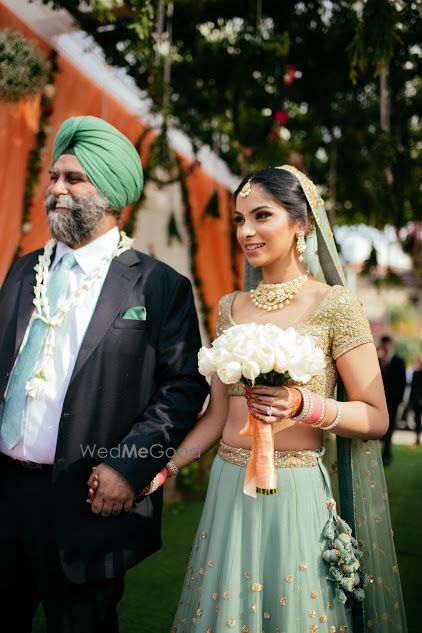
(246, 189)
(276, 296)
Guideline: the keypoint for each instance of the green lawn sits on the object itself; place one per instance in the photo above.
(153, 588)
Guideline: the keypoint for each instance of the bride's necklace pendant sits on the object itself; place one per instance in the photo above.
(275, 296)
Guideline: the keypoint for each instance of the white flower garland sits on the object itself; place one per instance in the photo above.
(35, 387)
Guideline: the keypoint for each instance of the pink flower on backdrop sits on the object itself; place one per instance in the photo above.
(281, 117)
(290, 76)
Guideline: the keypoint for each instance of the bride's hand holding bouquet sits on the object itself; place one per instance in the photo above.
(264, 355)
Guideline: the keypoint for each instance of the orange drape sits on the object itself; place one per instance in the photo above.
(18, 128)
(213, 259)
(76, 94)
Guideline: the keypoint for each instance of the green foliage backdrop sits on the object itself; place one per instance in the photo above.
(333, 86)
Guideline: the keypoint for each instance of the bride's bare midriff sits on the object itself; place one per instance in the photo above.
(289, 438)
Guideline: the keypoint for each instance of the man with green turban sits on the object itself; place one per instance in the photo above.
(108, 157)
(98, 370)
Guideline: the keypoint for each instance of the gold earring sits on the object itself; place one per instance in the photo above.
(301, 245)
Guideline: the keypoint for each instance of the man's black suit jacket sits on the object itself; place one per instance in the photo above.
(135, 389)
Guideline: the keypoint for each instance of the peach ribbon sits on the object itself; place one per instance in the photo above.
(260, 474)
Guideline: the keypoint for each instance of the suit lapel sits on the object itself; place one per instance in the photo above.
(25, 307)
(120, 279)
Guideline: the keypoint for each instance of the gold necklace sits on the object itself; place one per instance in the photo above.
(276, 296)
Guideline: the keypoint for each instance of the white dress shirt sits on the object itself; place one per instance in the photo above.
(42, 415)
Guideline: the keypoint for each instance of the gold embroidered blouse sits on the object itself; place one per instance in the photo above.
(338, 325)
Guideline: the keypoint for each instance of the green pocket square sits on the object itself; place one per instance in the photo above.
(136, 313)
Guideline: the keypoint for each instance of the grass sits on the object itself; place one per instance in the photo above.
(404, 480)
(153, 587)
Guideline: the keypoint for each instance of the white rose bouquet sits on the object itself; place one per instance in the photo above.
(261, 354)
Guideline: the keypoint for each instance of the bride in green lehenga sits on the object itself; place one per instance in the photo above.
(257, 564)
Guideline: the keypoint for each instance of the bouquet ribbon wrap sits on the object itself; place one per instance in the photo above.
(261, 476)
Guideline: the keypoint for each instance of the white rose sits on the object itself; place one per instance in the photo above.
(264, 356)
(230, 373)
(205, 361)
(250, 369)
(281, 363)
(317, 362)
(299, 368)
(221, 356)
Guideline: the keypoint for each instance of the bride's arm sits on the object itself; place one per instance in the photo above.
(365, 415)
(209, 428)
(205, 434)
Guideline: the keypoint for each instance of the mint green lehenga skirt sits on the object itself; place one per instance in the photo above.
(256, 564)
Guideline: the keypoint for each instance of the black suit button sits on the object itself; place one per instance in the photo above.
(6, 376)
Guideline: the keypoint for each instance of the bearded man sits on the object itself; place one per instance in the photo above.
(98, 368)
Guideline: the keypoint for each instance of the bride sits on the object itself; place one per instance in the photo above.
(262, 565)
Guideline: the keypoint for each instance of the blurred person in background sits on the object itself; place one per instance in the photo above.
(393, 372)
(415, 398)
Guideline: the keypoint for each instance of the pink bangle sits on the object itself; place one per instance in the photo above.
(317, 411)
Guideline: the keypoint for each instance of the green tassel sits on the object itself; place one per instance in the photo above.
(342, 557)
(266, 491)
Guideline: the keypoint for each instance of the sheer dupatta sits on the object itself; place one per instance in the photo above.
(355, 466)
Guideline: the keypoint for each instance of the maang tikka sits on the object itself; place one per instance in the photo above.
(246, 189)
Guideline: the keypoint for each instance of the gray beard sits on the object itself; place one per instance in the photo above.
(82, 220)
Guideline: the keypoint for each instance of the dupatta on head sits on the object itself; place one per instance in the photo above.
(355, 466)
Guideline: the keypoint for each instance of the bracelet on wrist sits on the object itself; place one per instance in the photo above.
(314, 410)
(307, 407)
(337, 418)
(172, 469)
(321, 420)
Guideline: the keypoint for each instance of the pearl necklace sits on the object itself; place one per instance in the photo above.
(276, 296)
(36, 385)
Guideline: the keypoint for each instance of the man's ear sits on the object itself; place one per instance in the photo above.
(115, 212)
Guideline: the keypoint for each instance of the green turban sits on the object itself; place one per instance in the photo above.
(109, 159)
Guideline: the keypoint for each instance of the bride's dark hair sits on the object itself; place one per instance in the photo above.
(283, 187)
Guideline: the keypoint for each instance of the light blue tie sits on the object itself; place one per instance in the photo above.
(11, 429)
